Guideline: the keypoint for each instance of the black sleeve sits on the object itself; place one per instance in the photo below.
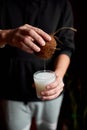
(67, 35)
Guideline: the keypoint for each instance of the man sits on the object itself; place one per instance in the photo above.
(23, 24)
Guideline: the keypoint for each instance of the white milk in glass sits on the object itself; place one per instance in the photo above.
(42, 79)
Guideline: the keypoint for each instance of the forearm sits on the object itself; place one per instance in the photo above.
(61, 65)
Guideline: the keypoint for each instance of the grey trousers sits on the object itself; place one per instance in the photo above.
(18, 115)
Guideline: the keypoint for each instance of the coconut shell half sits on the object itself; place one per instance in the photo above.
(48, 50)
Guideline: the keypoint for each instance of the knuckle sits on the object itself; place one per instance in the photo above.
(25, 39)
(25, 24)
(39, 30)
(30, 31)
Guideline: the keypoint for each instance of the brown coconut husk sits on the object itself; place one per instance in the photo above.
(48, 50)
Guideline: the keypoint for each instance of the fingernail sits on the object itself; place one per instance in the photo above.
(43, 43)
(49, 38)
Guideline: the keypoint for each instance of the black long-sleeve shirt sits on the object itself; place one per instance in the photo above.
(16, 66)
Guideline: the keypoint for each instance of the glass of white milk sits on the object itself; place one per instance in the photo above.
(42, 78)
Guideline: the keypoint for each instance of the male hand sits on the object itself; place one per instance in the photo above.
(27, 38)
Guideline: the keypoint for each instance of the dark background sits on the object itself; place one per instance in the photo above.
(73, 114)
(80, 18)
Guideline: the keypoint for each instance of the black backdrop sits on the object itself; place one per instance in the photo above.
(73, 115)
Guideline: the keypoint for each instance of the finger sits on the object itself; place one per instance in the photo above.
(31, 31)
(25, 43)
(45, 35)
(52, 96)
(37, 37)
(19, 42)
(53, 85)
(30, 43)
(53, 91)
(24, 47)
